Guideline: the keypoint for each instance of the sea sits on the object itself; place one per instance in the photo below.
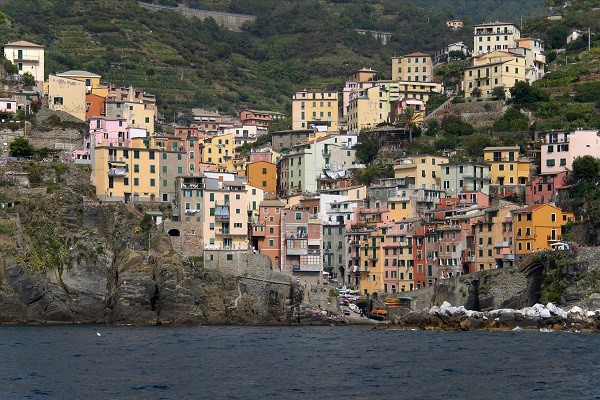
(243, 362)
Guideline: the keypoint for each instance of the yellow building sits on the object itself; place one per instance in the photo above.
(537, 227)
(371, 263)
(218, 152)
(507, 167)
(90, 79)
(498, 68)
(414, 67)
(314, 108)
(420, 171)
(68, 95)
(127, 173)
(494, 36)
(400, 207)
(367, 108)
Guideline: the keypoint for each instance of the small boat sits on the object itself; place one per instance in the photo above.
(378, 311)
(352, 306)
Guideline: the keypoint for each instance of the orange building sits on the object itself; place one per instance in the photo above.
(263, 175)
(94, 106)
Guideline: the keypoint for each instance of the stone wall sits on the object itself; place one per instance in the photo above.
(229, 20)
(189, 243)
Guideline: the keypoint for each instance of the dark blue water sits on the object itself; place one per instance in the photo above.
(72, 362)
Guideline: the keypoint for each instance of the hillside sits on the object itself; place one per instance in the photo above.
(186, 63)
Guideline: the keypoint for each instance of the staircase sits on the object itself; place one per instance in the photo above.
(445, 106)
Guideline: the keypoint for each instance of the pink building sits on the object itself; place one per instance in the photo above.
(103, 131)
(261, 155)
(301, 242)
(259, 118)
(559, 149)
(474, 197)
(8, 105)
(192, 137)
(266, 231)
(543, 189)
(397, 107)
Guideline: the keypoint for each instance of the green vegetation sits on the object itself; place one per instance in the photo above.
(189, 63)
(20, 147)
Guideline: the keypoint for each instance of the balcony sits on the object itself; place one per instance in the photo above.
(222, 213)
(296, 251)
(501, 244)
(116, 172)
(307, 268)
(223, 231)
(117, 160)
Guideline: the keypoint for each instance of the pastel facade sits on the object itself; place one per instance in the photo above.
(497, 68)
(27, 57)
(414, 67)
(465, 176)
(507, 167)
(420, 171)
(90, 79)
(68, 95)
(225, 215)
(94, 106)
(137, 114)
(545, 188)
(218, 152)
(367, 108)
(494, 36)
(533, 50)
(301, 241)
(8, 106)
(359, 80)
(242, 134)
(266, 231)
(315, 109)
(559, 149)
(259, 118)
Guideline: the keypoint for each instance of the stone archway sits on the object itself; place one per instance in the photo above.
(174, 232)
(343, 275)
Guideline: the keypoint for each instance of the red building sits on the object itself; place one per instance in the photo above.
(543, 188)
(259, 118)
(266, 231)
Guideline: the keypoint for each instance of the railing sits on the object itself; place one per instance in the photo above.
(296, 251)
(223, 231)
(116, 172)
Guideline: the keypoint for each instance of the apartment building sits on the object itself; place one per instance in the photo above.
(507, 166)
(68, 95)
(301, 238)
(492, 36)
(315, 109)
(266, 231)
(414, 67)
(465, 176)
(498, 68)
(27, 57)
(559, 149)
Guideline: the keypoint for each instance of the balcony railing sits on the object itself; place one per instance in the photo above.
(306, 268)
(116, 172)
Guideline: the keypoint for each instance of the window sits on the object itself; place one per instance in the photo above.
(136, 181)
(136, 168)
(58, 101)
(152, 169)
(271, 243)
(136, 154)
(151, 155)
(550, 163)
(298, 216)
(553, 217)
(152, 182)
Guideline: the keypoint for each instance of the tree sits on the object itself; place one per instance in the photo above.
(454, 125)
(20, 147)
(28, 79)
(367, 146)
(586, 168)
(498, 93)
(513, 120)
(410, 119)
(281, 124)
(523, 94)
(476, 93)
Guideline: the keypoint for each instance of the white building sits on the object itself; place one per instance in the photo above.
(28, 57)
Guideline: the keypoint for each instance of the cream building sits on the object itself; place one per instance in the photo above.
(367, 108)
(315, 109)
(497, 68)
(90, 79)
(28, 57)
(68, 95)
(494, 36)
(414, 67)
(422, 171)
(137, 114)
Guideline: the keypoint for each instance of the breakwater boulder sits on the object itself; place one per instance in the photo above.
(538, 316)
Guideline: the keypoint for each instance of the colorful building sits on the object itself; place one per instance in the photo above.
(414, 67)
(68, 95)
(537, 227)
(498, 68)
(494, 36)
(559, 149)
(507, 167)
(266, 231)
(263, 175)
(315, 109)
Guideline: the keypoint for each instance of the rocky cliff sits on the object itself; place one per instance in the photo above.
(64, 259)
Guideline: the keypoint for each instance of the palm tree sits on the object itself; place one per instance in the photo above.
(410, 118)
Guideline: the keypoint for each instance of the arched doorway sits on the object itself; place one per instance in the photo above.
(174, 232)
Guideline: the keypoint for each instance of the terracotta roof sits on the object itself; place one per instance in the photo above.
(24, 43)
(417, 54)
(271, 203)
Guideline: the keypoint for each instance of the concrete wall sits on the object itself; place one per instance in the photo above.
(228, 20)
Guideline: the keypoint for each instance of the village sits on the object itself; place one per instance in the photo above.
(296, 199)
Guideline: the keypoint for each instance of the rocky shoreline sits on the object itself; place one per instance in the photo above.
(547, 317)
